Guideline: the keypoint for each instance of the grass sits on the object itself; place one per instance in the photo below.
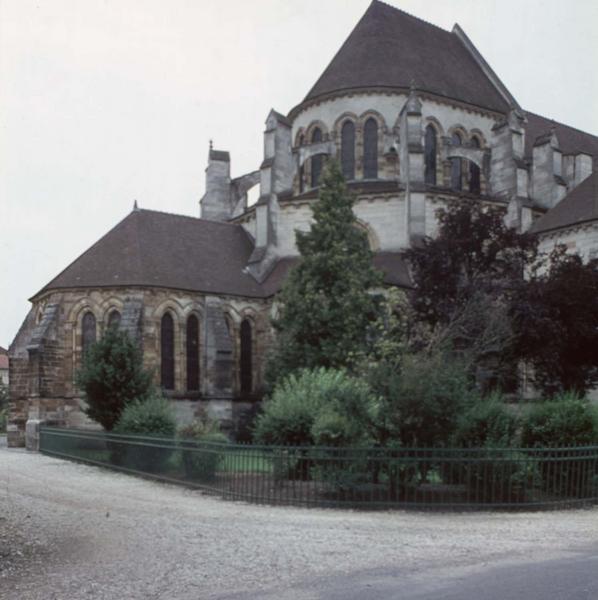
(254, 461)
(234, 461)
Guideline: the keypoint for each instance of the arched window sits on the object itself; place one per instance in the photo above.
(113, 319)
(192, 353)
(301, 168)
(348, 150)
(430, 155)
(317, 161)
(167, 352)
(88, 331)
(370, 149)
(456, 165)
(474, 171)
(245, 359)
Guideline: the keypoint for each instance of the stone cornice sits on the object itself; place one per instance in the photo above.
(388, 91)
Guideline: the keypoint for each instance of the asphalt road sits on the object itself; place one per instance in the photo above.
(73, 532)
(572, 578)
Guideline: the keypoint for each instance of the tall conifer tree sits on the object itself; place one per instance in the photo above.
(326, 302)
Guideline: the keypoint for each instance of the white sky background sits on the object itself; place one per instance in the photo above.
(107, 101)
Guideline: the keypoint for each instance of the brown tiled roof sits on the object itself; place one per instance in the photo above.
(571, 140)
(580, 206)
(149, 248)
(155, 249)
(392, 264)
(391, 49)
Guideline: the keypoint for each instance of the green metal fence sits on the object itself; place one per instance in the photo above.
(353, 477)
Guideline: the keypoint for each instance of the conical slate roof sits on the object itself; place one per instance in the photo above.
(391, 49)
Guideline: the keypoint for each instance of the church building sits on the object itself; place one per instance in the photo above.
(416, 117)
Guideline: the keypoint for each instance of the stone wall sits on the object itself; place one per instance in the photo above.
(47, 351)
(582, 239)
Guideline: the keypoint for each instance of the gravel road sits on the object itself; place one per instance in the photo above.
(71, 531)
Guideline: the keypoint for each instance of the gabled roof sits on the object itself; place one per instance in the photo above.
(150, 248)
(391, 49)
(155, 249)
(571, 140)
(580, 206)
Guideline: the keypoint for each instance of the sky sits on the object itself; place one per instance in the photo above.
(104, 102)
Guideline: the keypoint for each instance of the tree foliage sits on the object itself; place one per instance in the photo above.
(317, 406)
(325, 304)
(420, 399)
(566, 420)
(486, 292)
(556, 317)
(474, 253)
(112, 376)
(464, 280)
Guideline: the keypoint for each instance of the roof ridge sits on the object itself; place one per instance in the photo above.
(408, 14)
(561, 124)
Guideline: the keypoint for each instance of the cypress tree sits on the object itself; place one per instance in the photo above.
(326, 304)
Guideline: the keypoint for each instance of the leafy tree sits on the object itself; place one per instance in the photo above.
(112, 376)
(464, 279)
(556, 317)
(474, 253)
(325, 304)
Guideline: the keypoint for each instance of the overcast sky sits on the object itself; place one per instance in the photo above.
(106, 101)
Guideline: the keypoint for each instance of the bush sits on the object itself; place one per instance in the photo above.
(501, 476)
(203, 455)
(325, 407)
(112, 376)
(304, 405)
(151, 417)
(421, 400)
(565, 421)
(486, 423)
(3, 419)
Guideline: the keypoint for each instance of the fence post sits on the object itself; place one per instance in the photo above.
(32, 434)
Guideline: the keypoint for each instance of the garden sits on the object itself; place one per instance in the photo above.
(378, 396)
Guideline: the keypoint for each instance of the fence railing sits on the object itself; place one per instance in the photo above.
(353, 477)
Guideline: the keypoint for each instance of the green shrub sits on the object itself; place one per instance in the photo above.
(299, 400)
(486, 423)
(153, 417)
(421, 400)
(325, 407)
(501, 476)
(565, 421)
(203, 453)
(3, 419)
